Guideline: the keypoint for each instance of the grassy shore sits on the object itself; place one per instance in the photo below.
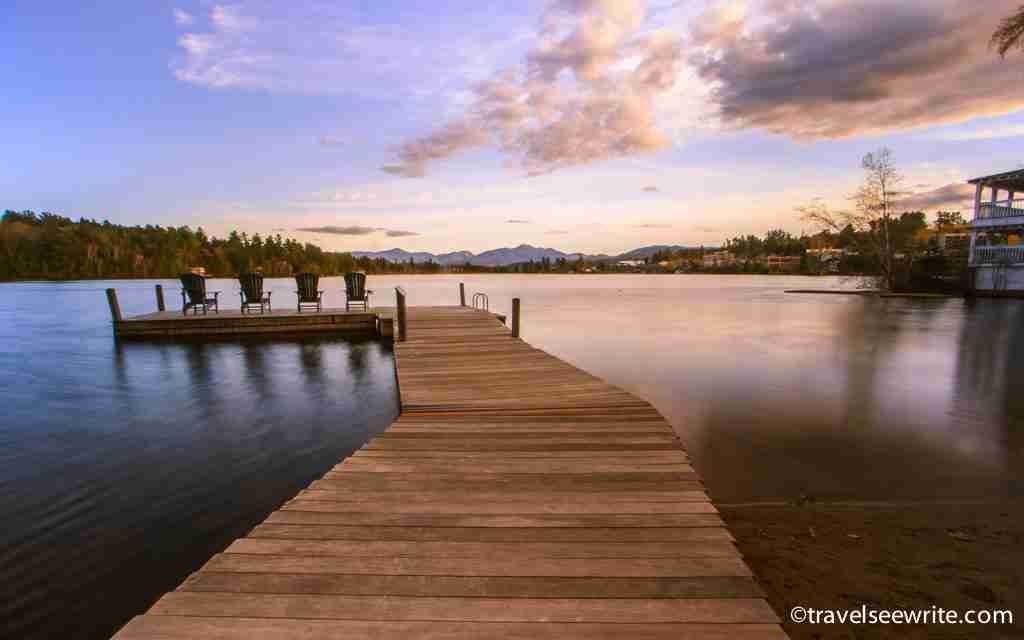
(887, 556)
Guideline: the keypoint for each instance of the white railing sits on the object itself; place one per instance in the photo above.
(998, 255)
(1003, 209)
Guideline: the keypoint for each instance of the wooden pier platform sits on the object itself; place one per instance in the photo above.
(173, 324)
(515, 497)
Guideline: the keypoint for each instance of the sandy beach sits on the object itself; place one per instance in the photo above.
(958, 556)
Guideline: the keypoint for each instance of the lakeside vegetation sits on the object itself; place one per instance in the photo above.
(50, 246)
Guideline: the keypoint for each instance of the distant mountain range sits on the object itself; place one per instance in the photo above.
(507, 255)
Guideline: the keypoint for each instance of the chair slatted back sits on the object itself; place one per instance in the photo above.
(195, 287)
(355, 285)
(307, 284)
(252, 286)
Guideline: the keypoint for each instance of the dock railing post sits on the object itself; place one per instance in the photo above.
(115, 308)
(400, 305)
(515, 317)
(160, 298)
(462, 294)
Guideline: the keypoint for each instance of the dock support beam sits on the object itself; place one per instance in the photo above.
(115, 308)
(462, 294)
(160, 298)
(400, 305)
(515, 317)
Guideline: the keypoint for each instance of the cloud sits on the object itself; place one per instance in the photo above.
(336, 49)
(182, 18)
(651, 189)
(653, 225)
(839, 68)
(517, 221)
(705, 229)
(340, 231)
(357, 230)
(989, 133)
(584, 92)
(228, 18)
(331, 141)
(957, 195)
(556, 232)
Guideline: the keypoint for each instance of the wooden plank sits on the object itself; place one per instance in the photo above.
(240, 628)
(507, 550)
(493, 566)
(474, 586)
(311, 529)
(337, 607)
(567, 505)
(702, 518)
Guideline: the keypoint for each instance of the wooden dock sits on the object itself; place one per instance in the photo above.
(174, 324)
(515, 497)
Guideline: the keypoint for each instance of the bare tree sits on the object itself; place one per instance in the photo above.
(1010, 33)
(871, 217)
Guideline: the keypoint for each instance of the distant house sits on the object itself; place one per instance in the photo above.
(631, 263)
(995, 257)
(827, 258)
(780, 263)
(717, 259)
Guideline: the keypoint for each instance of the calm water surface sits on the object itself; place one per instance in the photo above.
(124, 467)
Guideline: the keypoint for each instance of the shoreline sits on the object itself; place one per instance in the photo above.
(491, 273)
(958, 555)
(879, 294)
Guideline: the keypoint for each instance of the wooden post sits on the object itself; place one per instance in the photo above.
(515, 317)
(115, 308)
(400, 304)
(462, 294)
(160, 298)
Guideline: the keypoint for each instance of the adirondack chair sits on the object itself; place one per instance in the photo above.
(306, 285)
(252, 293)
(195, 295)
(356, 293)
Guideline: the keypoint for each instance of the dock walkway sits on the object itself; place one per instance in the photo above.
(515, 497)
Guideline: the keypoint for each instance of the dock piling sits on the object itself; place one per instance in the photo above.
(160, 298)
(400, 305)
(115, 308)
(515, 317)
(462, 294)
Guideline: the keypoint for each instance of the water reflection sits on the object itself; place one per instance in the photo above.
(989, 388)
(124, 466)
(777, 395)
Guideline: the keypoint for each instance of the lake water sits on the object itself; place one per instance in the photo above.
(124, 467)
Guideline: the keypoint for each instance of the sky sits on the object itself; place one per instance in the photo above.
(585, 125)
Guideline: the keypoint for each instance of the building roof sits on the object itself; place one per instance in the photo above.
(1011, 180)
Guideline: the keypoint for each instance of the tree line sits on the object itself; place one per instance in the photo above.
(51, 246)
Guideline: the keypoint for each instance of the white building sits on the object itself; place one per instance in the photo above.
(717, 259)
(996, 260)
